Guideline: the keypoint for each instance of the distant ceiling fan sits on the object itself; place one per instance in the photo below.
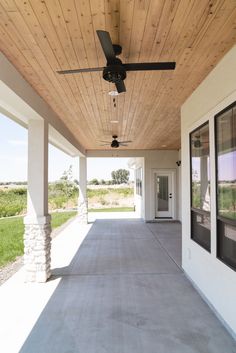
(198, 143)
(115, 143)
(115, 70)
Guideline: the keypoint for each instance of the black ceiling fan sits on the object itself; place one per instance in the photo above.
(115, 143)
(198, 142)
(115, 70)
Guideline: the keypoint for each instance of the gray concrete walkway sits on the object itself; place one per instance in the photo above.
(121, 291)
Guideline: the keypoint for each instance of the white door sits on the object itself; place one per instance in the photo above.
(164, 186)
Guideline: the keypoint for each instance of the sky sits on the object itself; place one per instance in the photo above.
(13, 157)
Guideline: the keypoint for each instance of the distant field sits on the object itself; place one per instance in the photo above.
(114, 209)
(11, 235)
(13, 200)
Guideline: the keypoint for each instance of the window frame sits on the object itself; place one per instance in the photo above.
(221, 218)
(194, 209)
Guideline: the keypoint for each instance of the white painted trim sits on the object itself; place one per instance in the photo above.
(124, 153)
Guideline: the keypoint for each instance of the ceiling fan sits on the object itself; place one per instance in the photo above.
(115, 70)
(115, 143)
(198, 143)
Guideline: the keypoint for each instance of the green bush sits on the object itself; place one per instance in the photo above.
(12, 202)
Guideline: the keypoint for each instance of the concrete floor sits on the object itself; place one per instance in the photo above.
(121, 291)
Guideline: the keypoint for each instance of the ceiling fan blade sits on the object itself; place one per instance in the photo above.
(105, 144)
(125, 141)
(122, 144)
(120, 86)
(149, 66)
(104, 141)
(75, 71)
(107, 46)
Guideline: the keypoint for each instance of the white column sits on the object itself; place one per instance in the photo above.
(83, 201)
(37, 239)
(205, 190)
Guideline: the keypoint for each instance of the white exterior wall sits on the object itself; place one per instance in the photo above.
(159, 160)
(214, 279)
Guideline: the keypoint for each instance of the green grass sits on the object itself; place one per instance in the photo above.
(58, 218)
(114, 209)
(11, 239)
(11, 235)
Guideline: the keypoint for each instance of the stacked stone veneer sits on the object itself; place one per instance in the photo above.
(83, 211)
(37, 243)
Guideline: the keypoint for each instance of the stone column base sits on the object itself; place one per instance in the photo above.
(37, 249)
(83, 211)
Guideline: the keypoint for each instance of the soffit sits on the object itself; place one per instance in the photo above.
(41, 37)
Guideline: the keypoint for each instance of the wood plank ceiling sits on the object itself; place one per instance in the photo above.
(41, 37)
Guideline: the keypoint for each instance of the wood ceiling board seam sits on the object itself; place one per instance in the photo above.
(57, 19)
(98, 14)
(163, 30)
(194, 74)
(231, 19)
(176, 28)
(230, 16)
(167, 35)
(125, 31)
(137, 32)
(82, 79)
(34, 45)
(166, 18)
(27, 58)
(217, 5)
(83, 13)
(9, 5)
(143, 75)
(101, 100)
(130, 79)
(58, 79)
(112, 19)
(85, 105)
(141, 114)
(144, 48)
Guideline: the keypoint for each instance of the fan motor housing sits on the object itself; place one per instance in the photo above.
(114, 73)
(115, 144)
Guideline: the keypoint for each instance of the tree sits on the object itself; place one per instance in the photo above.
(120, 176)
(94, 182)
(66, 183)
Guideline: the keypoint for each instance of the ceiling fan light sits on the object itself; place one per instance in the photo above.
(113, 93)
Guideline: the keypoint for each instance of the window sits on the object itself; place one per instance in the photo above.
(225, 132)
(200, 186)
(139, 181)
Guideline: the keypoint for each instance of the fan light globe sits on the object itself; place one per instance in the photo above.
(113, 93)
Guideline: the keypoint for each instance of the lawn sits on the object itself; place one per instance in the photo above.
(11, 235)
(114, 209)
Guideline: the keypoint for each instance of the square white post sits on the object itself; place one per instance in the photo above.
(83, 201)
(37, 239)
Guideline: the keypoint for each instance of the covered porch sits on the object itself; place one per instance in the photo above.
(116, 286)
